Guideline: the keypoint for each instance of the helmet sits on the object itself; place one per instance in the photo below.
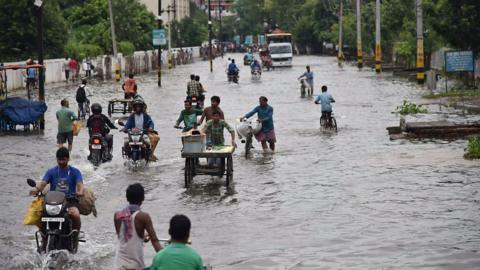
(138, 102)
(96, 108)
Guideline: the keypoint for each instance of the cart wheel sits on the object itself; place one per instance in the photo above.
(187, 172)
(229, 171)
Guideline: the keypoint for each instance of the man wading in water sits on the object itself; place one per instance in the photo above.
(130, 225)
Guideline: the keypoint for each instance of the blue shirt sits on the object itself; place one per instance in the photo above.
(232, 67)
(147, 122)
(308, 76)
(325, 100)
(265, 114)
(255, 66)
(63, 180)
(31, 73)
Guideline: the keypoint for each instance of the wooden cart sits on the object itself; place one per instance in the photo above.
(192, 166)
(117, 105)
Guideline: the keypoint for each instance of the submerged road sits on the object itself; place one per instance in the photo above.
(351, 200)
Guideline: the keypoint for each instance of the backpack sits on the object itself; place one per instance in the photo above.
(97, 125)
(81, 95)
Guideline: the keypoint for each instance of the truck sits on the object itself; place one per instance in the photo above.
(280, 48)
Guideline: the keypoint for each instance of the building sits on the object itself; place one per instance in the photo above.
(225, 6)
(182, 8)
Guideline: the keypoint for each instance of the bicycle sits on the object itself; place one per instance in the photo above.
(86, 110)
(248, 132)
(328, 125)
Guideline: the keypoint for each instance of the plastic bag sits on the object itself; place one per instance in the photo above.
(76, 128)
(86, 203)
(34, 212)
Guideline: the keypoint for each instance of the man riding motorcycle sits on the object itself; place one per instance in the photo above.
(256, 67)
(98, 123)
(233, 69)
(139, 119)
(67, 179)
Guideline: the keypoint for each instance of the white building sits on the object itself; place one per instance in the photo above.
(182, 8)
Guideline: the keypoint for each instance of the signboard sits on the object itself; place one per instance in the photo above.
(459, 61)
(159, 38)
(236, 39)
(248, 40)
(261, 39)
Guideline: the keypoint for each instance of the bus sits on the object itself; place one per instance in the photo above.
(280, 47)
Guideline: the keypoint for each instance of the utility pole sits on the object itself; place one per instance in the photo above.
(159, 61)
(378, 47)
(41, 73)
(420, 52)
(340, 56)
(359, 36)
(210, 35)
(220, 26)
(112, 27)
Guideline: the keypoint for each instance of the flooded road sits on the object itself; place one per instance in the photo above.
(351, 200)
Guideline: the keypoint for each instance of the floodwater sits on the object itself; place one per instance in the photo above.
(351, 200)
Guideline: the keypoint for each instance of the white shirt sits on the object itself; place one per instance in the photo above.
(139, 121)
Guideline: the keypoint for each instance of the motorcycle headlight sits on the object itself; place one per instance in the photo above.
(53, 210)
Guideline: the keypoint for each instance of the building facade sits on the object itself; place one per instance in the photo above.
(181, 7)
(225, 6)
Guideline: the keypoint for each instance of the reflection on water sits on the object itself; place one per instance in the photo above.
(347, 200)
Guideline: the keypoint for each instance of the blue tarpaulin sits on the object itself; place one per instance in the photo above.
(22, 111)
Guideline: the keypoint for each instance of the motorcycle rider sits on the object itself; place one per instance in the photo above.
(255, 66)
(99, 123)
(192, 87)
(67, 179)
(139, 119)
(233, 69)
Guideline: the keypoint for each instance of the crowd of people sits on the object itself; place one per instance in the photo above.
(134, 226)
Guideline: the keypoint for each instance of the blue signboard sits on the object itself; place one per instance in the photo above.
(236, 39)
(459, 61)
(159, 38)
(248, 40)
(261, 39)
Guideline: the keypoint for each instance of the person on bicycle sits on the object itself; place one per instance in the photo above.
(308, 75)
(130, 87)
(82, 98)
(99, 123)
(325, 99)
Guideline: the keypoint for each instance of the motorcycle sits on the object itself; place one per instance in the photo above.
(256, 74)
(196, 103)
(135, 149)
(305, 87)
(233, 78)
(97, 149)
(58, 232)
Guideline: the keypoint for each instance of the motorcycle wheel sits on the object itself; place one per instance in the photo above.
(52, 243)
(135, 155)
(96, 156)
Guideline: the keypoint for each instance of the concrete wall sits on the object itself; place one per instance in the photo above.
(139, 62)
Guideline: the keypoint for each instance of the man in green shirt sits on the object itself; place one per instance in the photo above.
(214, 130)
(177, 255)
(188, 116)
(65, 118)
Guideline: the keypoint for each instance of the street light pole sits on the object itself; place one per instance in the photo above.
(41, 73)
(340, 35)
(210, 36)
(420, 51)
(159, 61)
(359, 36)
(220, 27)
(378, 47)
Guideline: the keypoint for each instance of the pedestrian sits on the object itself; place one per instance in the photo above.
(65, 118)
(133, 227)
(177, 255)
(66, 69)
(83, 92)
(308, 75)
(86, 68)
(32, 77)
(73, 65)
(265, 116)
(209, 111)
